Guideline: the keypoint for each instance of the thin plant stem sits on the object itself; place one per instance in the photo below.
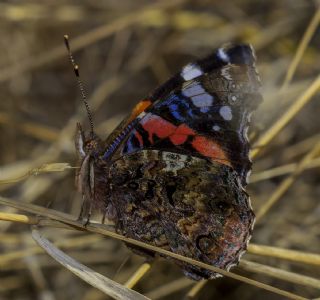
(287, 183)
(138, 274)
(313, 25)
(270, 134)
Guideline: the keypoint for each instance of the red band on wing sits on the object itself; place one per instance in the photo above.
(155, 125)
(181, 134)
(209, 148)
(178, 135)
(139, 138)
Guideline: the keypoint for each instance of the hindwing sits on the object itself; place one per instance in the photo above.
(183, 204)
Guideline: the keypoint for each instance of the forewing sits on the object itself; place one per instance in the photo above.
(184, 204)
(207, 117)
(203, 110)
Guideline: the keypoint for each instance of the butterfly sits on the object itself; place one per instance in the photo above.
(173, 173)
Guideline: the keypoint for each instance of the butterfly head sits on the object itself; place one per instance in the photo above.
(87, 145)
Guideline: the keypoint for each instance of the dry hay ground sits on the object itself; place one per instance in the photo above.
(125, 49)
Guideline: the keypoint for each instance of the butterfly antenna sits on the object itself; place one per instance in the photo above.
(81, 87)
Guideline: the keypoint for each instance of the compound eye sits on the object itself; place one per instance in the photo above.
(90, 145)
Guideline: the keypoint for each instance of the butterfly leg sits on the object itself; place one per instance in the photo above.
(88, 216)
(103, 218)
(85, 212)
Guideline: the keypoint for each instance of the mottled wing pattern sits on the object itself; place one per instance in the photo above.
(183, 204)
(206, 115)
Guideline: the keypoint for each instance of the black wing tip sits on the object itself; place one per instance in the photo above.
(239, 54)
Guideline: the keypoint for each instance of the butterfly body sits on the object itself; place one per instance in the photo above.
(173, 173)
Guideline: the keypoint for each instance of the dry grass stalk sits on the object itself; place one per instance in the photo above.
(313, 25)
(85, 40)
(104, 284)
(282, 170)
(288, 115)
(45, 168)
(287, 254)
(194, 291)
(18, 218)
(97, 228)
(169, 288)
(279, 274)
(286, 184)
(137, 276)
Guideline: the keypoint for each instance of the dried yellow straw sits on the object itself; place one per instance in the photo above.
(287, 116)
(313, 25)
(194, 291)
(18, 218)
(279, 274)
(286, 184)
(169, 288)
(292, 255)
(97, 228)
(86, 39)
(45, 168)
(282, 170)
(138, 274)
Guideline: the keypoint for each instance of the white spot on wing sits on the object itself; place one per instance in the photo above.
(195, 89)
(226, 113)
(216, 127)
(202, 100)
(198, 95)
(141, 115)
(191, 71)
(225, 72)
(223, 55)
(234, 98)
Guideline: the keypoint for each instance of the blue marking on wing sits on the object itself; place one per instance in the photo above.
(131, 144)
(204, 109)
(117, 141)
(130, 148)
(174, 110)
(177, 104)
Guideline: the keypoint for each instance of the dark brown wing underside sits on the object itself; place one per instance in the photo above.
(183, 204)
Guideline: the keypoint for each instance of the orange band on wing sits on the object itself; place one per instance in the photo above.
(139, 108)
(209, 148)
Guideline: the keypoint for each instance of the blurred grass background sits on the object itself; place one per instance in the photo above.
(125, 49)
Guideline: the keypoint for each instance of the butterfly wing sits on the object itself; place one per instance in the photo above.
(207, 114)
(220, 58)
(168, 200)
(204, 110)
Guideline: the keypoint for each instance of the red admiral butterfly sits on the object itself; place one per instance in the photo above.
(173, 173)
